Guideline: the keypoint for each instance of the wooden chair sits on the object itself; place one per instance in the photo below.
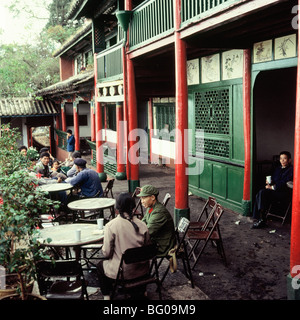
(64, 289)
(166, 199)
(179, 252)
(137, 255)
(210, 204)
(207, 234)
(108, 188)
(138, 210)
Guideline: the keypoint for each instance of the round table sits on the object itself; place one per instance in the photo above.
(64, 236)
(55, 187)
(92, 204)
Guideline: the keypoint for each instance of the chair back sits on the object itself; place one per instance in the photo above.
(215, 217)
(139, 203)
(140, 254)
(166, 199)
(210, 203)
(59, 268)
(108, 188)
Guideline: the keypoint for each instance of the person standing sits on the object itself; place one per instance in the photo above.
(70, 143)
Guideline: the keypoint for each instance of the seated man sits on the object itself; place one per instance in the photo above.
(158, 220)
(87, 179)
(277, 190)
(72, 172)
(42, 166)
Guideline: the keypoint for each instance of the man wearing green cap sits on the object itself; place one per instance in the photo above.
(158, 220)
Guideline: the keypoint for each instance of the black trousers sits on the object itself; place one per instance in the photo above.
(264, 198)
(105, 283)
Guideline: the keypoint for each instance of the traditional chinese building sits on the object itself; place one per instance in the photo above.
(213, 82)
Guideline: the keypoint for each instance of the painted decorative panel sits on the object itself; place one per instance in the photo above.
(232, 64)
(262, 51)
(193, 72)
(210, 68)
(285, 47)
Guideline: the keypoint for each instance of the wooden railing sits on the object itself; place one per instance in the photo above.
(109, 64)
(151, 19)
(155, 18)
(62, 139)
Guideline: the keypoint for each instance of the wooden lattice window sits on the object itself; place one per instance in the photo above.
(212, 115)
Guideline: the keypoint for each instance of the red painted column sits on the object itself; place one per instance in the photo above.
(121, 175)
(125, 111)
(93, 128)
(63, 118)
(181, 176)
(76, 126)
(98, 127)
(150, 125)
(295, 224)
(132, 117)
(57, 127)
(247, 131)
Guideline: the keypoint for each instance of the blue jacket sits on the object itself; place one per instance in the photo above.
(71, 144)
(281, 176)
(89, 182)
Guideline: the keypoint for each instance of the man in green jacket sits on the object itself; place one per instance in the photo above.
(158, 220)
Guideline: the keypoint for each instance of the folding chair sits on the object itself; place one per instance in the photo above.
(108, 188)
(211, 204)
(207, 234)
(279, 210)
(137, 255)
(179, 252)
(66, 289)
(166, 199)
(139, 203)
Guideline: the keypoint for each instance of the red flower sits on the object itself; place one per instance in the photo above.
(150, 210)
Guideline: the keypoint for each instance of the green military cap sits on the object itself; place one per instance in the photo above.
(148, 190)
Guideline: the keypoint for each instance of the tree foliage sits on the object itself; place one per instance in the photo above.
(24, 69)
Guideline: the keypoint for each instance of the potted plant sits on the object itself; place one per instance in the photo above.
(21, 203)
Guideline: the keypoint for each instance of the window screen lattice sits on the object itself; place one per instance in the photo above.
(212, 111)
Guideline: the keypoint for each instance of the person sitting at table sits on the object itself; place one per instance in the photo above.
(87, 180)
(275, 191)
(51, 158)
(158, 220)
(43, 166)
(56, 172)
(121, 233)
(72, 172)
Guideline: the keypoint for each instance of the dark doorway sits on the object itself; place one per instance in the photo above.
(274, 99)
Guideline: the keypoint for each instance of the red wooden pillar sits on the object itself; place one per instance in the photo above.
(57, 127)
(93, 133)
(132, 118)
(247, 131)
(121, 175)
(76, 126)
(181, 176)
(63, 117)
(98, 127)
(150, 125)
(293, 284)
(125, 111)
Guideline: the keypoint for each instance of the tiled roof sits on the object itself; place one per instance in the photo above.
(68, 85)
(26, 107)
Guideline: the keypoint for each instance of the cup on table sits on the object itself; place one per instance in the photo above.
(100, 223)
(269, 179)
(77, 235)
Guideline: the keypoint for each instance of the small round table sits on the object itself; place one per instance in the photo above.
(92, 204)
(64, 236)
(55, 187)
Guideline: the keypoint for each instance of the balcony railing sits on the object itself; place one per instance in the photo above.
(109, 64)
(155, 18)
(195, 9)
(151, 19)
